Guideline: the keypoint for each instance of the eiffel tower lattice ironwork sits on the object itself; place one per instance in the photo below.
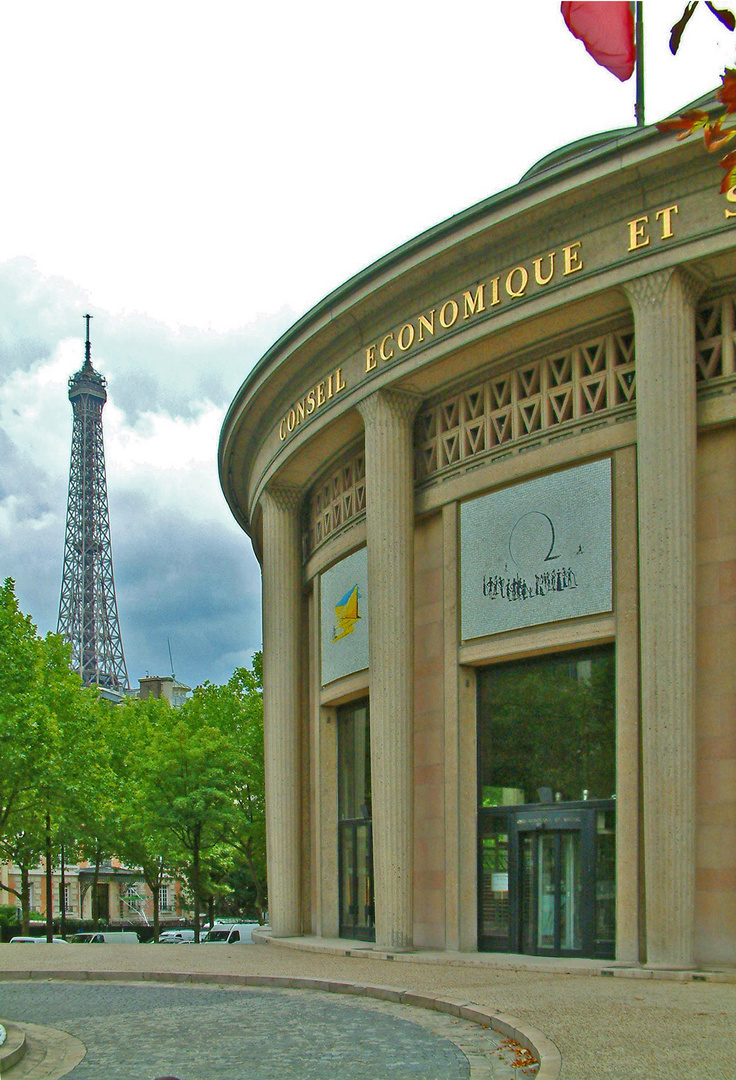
(88, 611)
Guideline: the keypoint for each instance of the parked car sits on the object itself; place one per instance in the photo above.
(25, 940)
(106, 937)
(175, 937)
(230, 933)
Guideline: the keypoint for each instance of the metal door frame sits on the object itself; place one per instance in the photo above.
(349, 827)
(556, 818)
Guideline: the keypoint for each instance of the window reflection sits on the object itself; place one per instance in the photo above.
(546, 729)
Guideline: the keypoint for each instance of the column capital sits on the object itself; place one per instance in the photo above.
(648, 292)
(402, 404)
(282, 497)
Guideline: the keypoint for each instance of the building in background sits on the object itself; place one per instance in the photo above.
(167, 687)
(120, 896)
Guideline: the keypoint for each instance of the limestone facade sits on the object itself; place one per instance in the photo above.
(586, 315)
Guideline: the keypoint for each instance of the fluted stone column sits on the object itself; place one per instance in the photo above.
(664, 321)
(282, 586)
(389, 470)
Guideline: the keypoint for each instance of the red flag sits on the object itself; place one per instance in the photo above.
(607, 32)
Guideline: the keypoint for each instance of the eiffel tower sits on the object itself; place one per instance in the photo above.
(88, 611)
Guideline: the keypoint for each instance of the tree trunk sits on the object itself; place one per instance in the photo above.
(156, 894)
(95, 883)
(247, 850)
(25, 900)
(49, 884)
(211, 909)
(195, 882)
(62, 893)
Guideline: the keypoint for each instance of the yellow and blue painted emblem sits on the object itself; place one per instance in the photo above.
(346, 610)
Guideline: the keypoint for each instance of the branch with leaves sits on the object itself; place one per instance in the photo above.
(715, 135)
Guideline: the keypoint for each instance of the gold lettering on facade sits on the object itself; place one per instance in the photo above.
(474, 304)
(426, 322)
(666, 215)
(637, 238)
(405, 340)
(474, 301)
(538, 269)
(314, 399)
(572, 256)
(449, 320)
(523, 278)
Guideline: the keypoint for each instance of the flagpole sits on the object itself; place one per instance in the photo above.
(639, 106)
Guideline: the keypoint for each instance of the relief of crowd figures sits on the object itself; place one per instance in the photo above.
(496, 586)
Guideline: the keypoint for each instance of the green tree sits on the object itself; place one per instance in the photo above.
(22, 710)
(249, 832)
(55, 781)
(208, 765)
(142, 839)
(192, 761)
(24, 848)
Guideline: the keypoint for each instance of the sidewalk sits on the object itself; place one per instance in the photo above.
(628, 1025)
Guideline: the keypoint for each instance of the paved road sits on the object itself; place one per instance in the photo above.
(634, 1028)
(138, 1032)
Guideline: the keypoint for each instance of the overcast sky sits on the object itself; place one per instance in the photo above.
(196, 176)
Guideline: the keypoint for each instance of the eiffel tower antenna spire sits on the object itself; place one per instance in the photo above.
(88, 612)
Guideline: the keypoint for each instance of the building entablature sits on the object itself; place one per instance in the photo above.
(544, 262)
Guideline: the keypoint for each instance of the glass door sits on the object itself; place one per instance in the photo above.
(355, 834)
(546, 882)
(550, 892)
(357, 916)
(569, 893)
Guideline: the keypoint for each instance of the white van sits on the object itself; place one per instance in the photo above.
(230, 933)
(36, 941)
(175, 937)
(106, 937)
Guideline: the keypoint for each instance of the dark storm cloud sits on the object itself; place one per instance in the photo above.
(193, 583)
(32, 513)
(182, 572)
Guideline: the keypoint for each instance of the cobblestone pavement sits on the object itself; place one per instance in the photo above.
(647, 1026)
(138, 1032)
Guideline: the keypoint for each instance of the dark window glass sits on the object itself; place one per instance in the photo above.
(355, 839)
(546, 729)
(605, 888)
(494, 902)
(354, 762)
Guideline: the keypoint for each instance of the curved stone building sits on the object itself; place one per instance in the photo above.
(491, 481)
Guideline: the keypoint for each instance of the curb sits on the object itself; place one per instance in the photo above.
(13, 1048)
(621, 969)
(542, 1048)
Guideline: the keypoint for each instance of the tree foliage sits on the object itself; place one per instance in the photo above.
(715, 135)
(166, 790)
